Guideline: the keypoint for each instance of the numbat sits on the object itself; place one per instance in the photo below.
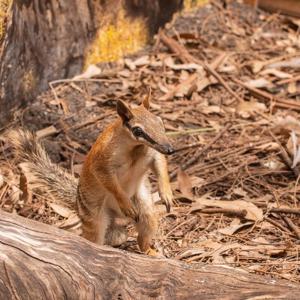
(114, 180)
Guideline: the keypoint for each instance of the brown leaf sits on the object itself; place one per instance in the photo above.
(257, 66)
(169, 62)
(185, 184)
(253, 212)
(77, 168)
(189, 253)
(90, 72)
(71, 222)
(26, 194)
(248, 108)
(211, 109)
(1, 180)
(276, 73)
(289, 63)
(182, 88)
(141, 61)
(61, 210)
(233, 228)
(46, 131)
(259, 83)
(292, 87)
(240, 192)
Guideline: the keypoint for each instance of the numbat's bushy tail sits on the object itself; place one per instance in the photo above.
(44, 174)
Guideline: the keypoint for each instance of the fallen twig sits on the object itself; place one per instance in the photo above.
(289, 104)
(196, 157)
(295, 211)
(240, 213)
(250, 160)
(285, 156)
(179, 225)
(273, 222)
(289, 80)
(292, 226)
(187, 132)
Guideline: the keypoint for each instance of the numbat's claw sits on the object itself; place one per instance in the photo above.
(153, 252)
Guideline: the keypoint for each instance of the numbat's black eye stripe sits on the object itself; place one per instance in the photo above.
(148, 138)
(144, 134)
(137, 131)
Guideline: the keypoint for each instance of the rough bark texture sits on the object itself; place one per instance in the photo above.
(41, 262)
(47, 40)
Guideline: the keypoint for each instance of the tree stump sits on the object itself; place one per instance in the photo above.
(48, 40)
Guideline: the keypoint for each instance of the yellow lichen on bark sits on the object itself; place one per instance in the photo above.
(121, 36)
(4, 5)
(190, 4)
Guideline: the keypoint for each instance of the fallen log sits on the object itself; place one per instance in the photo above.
(42, 262)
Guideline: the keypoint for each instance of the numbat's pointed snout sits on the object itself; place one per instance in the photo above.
(165, 149)
(169, 149)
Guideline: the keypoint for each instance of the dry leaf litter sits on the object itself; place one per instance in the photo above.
(226, 81)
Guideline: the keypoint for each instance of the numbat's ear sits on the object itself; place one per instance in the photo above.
(146, 101)
(124, 111)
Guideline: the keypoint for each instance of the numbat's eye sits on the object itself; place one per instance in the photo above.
(137, 131)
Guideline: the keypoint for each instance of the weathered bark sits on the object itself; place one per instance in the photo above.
(41, 262)
(47, 40)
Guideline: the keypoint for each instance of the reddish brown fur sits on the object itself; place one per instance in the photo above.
(114, 179)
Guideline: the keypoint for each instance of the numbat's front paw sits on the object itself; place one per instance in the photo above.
(167, 198)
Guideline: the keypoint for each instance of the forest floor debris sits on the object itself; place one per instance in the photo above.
(226, 82)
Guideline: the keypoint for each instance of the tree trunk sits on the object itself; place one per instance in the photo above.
(48, 40)
(42, 262)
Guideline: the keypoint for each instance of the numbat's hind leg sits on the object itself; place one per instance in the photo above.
(147, 222)
(116, 233)
(94, 223)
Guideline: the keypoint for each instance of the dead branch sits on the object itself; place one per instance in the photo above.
(186, 57)
(38, 259)
(292, 226)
